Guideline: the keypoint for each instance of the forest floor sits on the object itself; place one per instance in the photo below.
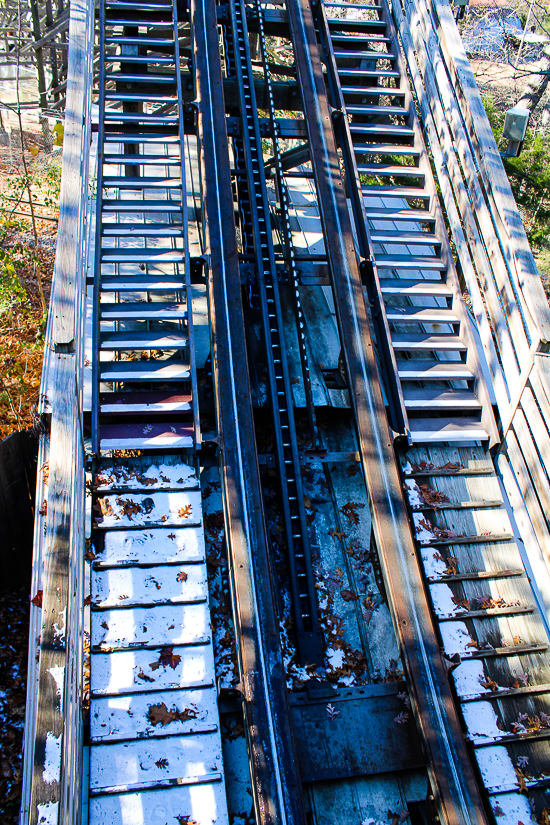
(22, 327)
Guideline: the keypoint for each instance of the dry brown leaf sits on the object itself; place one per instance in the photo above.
(349, 510)
(168, 658)
(185, 511)
(161, 715)
(143, 676)
(37, 600)
(182, 576)
(349, 595)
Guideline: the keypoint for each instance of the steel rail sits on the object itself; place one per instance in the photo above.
(449, 767)
(398, 413)
(304, 596)
(275, 780)
(285, 231)
(97, 248)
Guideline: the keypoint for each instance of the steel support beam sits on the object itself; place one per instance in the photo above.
(275, 781)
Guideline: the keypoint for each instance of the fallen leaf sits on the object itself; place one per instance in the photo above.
(104, 625)
(37, 600)
(161, 763)
(129, 508)
(143, 676)
(433, 498)
(161, 715)
(90, 555)
(103, 508)
(44, 509)
(348, 595)
(172, 536)
(168, 658)
(182, 576)
(349, 510)
(332, 713)
(88, 599)
(185, 511)
(336, 534)
(402, 718)
(521, 780)
(523, 761)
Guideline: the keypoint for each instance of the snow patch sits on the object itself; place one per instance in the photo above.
(52, 762)
(497, 769)
(434, 566)
(442, 598)
(336, 658)
(423, 536)
(455, 637)
(468, 677)
(413, 492)
(58, 674)
(61, 630)
(48, 813)
(481, 720)
(407, 469)
(511, 809)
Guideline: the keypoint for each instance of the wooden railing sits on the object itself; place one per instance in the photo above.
(52, 773)
(494, 258)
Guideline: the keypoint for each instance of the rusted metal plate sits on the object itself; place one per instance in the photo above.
(356, 732)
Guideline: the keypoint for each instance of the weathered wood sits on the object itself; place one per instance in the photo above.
(529, 518)
(516, 245)
(50, 721)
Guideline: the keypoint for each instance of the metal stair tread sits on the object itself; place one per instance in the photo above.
(142, 255)
(151, 585)
(373, 109)
(156, 437)
(439, 399)
(139, 206)
(394, 236)
(146, 310)
(434, 430)
(170, 369)
(421, 315)
(134, 403)
(423, 287)
(130, 718)
(387, 169)
(152, 138)
(149, 546)
(142, 160)
(428, 370)
(140, 230)
(143, 340)
(124, 77)
(364, 55)
(141, 182)
(386, 191)
(139, 759)
(385, 149)
(427, 341)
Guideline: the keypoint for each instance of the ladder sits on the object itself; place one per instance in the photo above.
(155, 742)
(423, 320)
(144, 390)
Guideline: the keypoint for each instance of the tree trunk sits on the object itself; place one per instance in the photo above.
(537, 83)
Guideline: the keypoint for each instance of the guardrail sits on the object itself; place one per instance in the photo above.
(52, 772)
(492, 250)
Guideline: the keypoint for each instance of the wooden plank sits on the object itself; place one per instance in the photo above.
(50, 720)
(530, 522)
(532, 460)
(515, 241)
